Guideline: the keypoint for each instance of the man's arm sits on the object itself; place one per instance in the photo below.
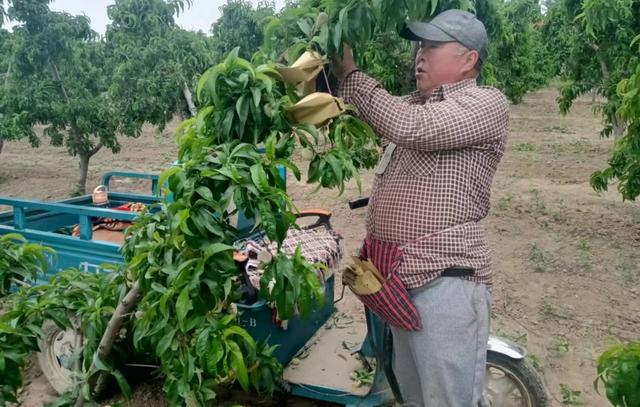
(414, 98)
(470, 117)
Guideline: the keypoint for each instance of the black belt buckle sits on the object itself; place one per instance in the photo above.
(458, 271)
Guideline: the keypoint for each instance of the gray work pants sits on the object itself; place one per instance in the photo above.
(443, 365)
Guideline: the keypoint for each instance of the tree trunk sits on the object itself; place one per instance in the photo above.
(618, 129)
(6, 82)
(593, 97)
(84, 168)
(6, 76)
(81, 189)
(110, 334)
(189, 98)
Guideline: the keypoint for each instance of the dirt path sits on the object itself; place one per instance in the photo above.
(566, 258)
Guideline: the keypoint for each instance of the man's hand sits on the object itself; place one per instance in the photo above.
(360, 280)
(349, 275)
(342, 68)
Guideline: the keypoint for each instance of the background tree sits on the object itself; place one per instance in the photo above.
(240, 25)
(6, 50)
(601, 33)
(602, 43)
(194, 53)
(517, 60)
(558, 34)
(86, 91)
(58, 79)
(155, 63)
(3, 12)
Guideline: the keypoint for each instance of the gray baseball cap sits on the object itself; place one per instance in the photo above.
(448, 26)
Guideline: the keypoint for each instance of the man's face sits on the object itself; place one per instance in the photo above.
(440, 63)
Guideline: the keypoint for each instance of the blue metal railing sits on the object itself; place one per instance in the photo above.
(20, 206)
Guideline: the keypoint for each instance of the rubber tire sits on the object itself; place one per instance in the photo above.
(526, 373)
(59, 378)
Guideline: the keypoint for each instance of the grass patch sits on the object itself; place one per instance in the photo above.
(585, 256)
(539, 205)
(505, 203)
(557, 129)
(550, 310)
(570, 397)
(538, 259)
(562, 346)
(525, 147)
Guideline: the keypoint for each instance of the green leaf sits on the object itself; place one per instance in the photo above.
(239, 331)
(183, 305)
(205, 193)
(122, 383)
(214, 354)
(238, 365)
(270, 146)
(165, 175)
(165, 342)
(290, 166)
(242, 108)
(204, 82)
(215, 248)
(337, 169)
(305, 27)
(202, 341)
(232, 58)
(257, 95)
(337, 37)
(259, 178)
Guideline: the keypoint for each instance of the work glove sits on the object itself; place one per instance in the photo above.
(362, 277)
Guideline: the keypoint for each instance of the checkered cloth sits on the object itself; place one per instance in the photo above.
(436, 188)
(317, 245)
(392, 302)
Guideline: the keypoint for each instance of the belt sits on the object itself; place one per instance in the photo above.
(458, 271)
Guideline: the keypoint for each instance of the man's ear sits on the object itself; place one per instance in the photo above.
(471, 61)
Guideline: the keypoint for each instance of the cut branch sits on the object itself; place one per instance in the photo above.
(109, 337)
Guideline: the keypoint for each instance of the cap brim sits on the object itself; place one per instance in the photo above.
(417, 31)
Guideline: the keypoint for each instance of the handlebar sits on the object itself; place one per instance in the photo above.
(359, 202)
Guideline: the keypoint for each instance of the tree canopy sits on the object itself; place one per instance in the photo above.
(597, 43)
(87, 90)
(240, 25)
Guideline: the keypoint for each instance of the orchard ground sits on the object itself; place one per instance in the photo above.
(566, 259)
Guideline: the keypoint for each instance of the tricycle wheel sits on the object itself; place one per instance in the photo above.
(55, 356)
(512, 383)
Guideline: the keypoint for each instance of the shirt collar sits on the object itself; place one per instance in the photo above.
(443, 91)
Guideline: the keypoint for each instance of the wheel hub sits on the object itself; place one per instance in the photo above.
(503, 388)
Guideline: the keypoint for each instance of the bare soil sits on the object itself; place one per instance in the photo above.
(566, 259)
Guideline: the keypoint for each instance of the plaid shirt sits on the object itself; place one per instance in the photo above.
(435, 190)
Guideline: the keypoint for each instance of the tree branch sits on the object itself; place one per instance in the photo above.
(110, 335)
(189, 98)
(94, 150)
(603, 64)
(19, 282)
(56, 75)
(6, 76)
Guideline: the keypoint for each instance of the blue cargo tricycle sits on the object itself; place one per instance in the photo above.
(331, 356)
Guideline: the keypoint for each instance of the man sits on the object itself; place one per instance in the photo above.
(429, 195)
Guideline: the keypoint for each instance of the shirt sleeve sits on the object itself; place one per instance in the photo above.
(470, 116)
